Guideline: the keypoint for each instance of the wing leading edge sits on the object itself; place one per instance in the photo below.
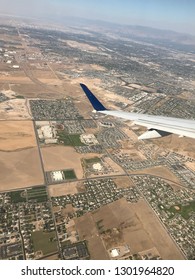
(156, 125)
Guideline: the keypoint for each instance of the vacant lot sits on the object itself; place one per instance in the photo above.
(15, 78)
(87, 230)
(81, 46)
(16, 135)
(123, 182)
(20, 169)
(14, 109)
(184, 146)
(116, 215)
(43, 241)
(191, 165)
(63, 189)
(34, 90)
(97, 249)
(119, 223)
(60, 157)
(160, 171)
(158, 234)
(43, 74)
(138, 239)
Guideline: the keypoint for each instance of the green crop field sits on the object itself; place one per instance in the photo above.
(39, 194)
(17, 196)
(70, 139)
(69, 174)
(43, 241)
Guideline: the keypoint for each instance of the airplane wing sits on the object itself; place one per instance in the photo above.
(157, 125)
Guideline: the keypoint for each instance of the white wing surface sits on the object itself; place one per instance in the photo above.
(156, 125)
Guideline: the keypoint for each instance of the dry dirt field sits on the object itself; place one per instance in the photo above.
(133, 153)
(123, 182)
(20, 169)
(4, 67)
(53, 81)
(47, 77)
(116, 215)
(97, 249)
(160, 171)
(63, 189)
(43, 74)
(138, 240)
(157, 233)
(4, 86)
(11, 72)
(122, 223)
(81, 46)
(86, 226)
(129, 132)
(14, 80)
(191, 165)
(17, 110)
(87, 230)
(61, 157)
(19, 159)
(40, 87)
(32, 90)
(16, 135)
(14, 77)
(184, 146)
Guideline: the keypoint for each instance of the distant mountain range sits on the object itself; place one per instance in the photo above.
(137, 31)
(126, 31)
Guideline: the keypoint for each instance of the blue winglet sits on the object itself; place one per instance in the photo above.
(97, 105)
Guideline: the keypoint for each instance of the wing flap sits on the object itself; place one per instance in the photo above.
(150, 134)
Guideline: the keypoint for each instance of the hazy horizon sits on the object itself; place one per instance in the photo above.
(167, 15)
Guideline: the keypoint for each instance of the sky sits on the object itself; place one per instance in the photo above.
(177, 15)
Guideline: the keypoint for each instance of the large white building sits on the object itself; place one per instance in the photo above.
(88, 139)
(47, 132)
(97, 166)
(57, 176)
